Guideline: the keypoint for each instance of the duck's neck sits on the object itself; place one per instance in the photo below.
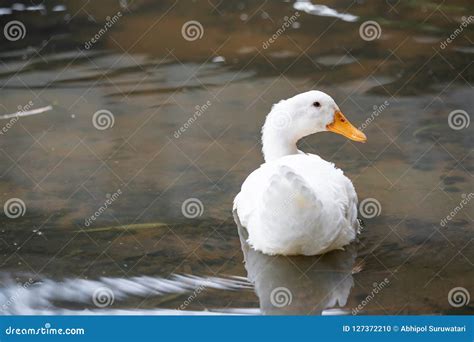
(276, 143)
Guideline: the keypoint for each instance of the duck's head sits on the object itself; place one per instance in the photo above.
(302, 115)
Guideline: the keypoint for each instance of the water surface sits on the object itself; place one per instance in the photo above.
(187, 116)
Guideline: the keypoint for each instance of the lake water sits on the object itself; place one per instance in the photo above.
(139, 126)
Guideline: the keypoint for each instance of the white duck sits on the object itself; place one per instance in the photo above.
(298, 203)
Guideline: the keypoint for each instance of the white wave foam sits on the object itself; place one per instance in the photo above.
(40, 297)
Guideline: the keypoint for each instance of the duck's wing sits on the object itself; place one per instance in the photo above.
(345, 198)
(272, 188)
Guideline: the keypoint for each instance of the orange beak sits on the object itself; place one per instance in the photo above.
(342, 126)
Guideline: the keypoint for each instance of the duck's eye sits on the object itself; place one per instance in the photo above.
(317, 104)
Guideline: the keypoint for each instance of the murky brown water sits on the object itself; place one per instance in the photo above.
(151, 79)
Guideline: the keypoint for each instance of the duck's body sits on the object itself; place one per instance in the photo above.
(297, 203)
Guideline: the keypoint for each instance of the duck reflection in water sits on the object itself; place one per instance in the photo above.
(300, 285)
